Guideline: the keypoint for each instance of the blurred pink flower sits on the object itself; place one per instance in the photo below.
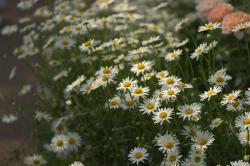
(231, 20)
(219, 11)
(205, 6)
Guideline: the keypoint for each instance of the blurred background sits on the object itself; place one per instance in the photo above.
(14, 135)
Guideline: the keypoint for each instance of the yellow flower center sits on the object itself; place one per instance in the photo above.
(189, 111)
(59, 142)
(129, 103)
(163, 115)
(168, 144)
(219, 79)
(150, 106)
(104, 78)
(172, 158)
(140, 66)
(71, 141)
(236, 103)
(88, 87)
(137, 90)
(246, 121)
(209, 26)
(173, 55)
(138, 155)
(106, 70)
(197, 159)
(247, 137)
(210, 93)
(78, 28)
(127, 84)
(87, 44)
(170, 92)
(192, 132)
(36, 162)
(199, 50)
(170, 81)
(202, 141)
(113, 102)
(65, 42)
(230, 97)
(161, 74)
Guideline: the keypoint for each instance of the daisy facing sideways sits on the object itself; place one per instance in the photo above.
(211, 92)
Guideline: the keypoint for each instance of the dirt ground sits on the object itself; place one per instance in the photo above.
(13, 136)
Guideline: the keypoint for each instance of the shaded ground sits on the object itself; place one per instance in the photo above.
(14, 135)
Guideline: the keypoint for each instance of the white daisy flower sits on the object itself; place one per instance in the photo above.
(230, 98)
(75, 83)
(78, 29)
(151, 40)
(128, 103)
(172, 56)
(59, 143)
(196, 159)
(169, 81)
(87, 45)
(149, 105)
(244, 137)
(215, 123)
(202, 49)
(188, 111)
(241, 26)
(59, 126)
(39, 116)
(162, 115)
(172, 159)
(139, 51)
(243, 121)
(8, 118)
(141, 68)
(138, 155)
(103, 80)
(9, 29)
(190, 131)
(170, 94)
(239, 163)
(73, 141)
(209, 26)
(211, 92)
(64, 42)
(88, 86)
(203, 139)
(34, 160)
(148, 76)
(76, 163)
(237, 105)
(167, 143)
(107, 71)
(140, 91)
(220, 78)
(114, 103)
(212, 45)
(162, 74)
(182, 86)
(127, 84)
(158, 94)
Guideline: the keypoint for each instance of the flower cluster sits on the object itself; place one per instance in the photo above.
(130, 82)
